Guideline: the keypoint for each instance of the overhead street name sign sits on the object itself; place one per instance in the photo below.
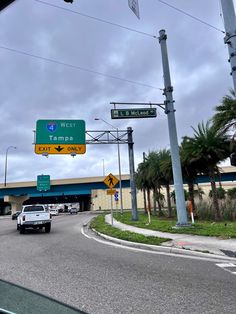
(43, 183)
(133, 113)
(60, 137)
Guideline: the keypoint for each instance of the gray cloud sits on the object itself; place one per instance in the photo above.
(32, 89)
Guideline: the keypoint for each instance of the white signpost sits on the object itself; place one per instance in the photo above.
(133, 4)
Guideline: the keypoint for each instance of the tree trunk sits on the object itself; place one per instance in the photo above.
(191, 194)
(155, 201)
(168, 200)
(215, 203)
(160, 212)
(145, 201)
(149, 200)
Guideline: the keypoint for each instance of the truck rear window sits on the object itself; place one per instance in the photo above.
(33, 209)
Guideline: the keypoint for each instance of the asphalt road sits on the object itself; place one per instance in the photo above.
(98, 278)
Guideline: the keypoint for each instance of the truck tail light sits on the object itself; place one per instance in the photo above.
(23, 218)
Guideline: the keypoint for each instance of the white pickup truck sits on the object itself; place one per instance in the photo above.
(34, 216)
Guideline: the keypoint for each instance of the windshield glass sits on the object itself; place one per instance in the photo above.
(18, 300)
(33, 209)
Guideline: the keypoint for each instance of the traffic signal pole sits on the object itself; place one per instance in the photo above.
(174, 148)
(230, 38)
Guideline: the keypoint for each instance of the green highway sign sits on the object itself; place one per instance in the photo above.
(43, 183)
(60, 132)
(133, 113)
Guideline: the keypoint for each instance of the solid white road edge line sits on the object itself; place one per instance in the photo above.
(148, 251)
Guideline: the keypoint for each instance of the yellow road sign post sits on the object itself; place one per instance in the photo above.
(111, 181)
(111, 192)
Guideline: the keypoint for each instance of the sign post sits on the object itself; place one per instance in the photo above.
(60, 137)
(111, 181)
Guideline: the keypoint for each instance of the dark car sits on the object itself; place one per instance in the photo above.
(15, 215)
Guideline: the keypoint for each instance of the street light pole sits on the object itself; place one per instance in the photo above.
(119, 164)
(5, 176)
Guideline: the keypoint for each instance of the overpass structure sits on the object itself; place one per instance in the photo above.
(89, 192)
(76, 190)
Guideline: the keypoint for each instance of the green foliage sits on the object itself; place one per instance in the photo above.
(186, 195)
(232, 193)
(226, 229)
(220, 192)
(204, 210)
(225, 116)
(99, 224)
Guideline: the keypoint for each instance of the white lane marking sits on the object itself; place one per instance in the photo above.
(83, 233)
(148, 251)
(227, 266)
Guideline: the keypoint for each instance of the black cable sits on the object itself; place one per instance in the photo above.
(77, 67)
(190, 15)
(96, 18)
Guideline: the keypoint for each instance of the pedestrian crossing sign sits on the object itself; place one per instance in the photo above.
(111, 181)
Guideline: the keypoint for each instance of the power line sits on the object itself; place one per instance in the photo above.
(191, 16)
(131, 29)
(78, 67)
(96, 19)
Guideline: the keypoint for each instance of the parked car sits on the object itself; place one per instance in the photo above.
(15, 215)
(73, 210)
(54, 211)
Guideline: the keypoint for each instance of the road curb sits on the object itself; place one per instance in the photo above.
(161, 248)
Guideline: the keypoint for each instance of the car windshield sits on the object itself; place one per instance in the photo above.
(18, 300)
(33, 209)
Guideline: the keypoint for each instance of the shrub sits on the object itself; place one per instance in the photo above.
(204, 211)
(220, 192)
(227, 209)
(232, 193)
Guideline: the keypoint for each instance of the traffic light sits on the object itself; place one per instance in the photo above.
(5, 3)
(233, 159)
(68, 1)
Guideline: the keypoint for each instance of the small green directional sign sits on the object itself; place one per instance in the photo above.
(43, 183)
(133, 113)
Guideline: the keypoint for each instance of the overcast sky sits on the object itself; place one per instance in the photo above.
(32, 89)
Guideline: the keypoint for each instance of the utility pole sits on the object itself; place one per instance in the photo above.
(132, 175)
(144, 189)
(230, 37)
(175, 158)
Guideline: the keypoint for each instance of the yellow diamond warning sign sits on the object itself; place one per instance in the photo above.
(111, 181)
(60, 149)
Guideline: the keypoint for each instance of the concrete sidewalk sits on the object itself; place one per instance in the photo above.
(184, 241)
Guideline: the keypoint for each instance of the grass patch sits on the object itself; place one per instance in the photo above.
(224, 230)
(99, 224)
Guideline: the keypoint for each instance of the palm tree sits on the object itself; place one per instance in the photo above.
(190, 169)
(142, 182)
(225, 116)
(154, 175)
(207, 148)
(166, 177)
